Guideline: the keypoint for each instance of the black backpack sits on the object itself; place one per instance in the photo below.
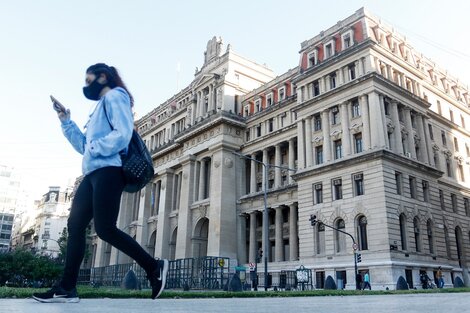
(137, 165)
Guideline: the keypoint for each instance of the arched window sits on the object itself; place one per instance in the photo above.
(430, 236)
(417, 234)
(404, 246)
(340, 237)
(362, 232)
(320, 238)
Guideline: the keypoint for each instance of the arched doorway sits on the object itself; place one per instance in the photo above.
(199, 240)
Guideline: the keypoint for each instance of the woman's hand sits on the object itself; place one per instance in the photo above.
(64, 116)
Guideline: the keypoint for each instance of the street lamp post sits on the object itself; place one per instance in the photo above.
(314, 221)
(266, 167)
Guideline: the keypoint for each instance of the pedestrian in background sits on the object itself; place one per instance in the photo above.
(366, 281)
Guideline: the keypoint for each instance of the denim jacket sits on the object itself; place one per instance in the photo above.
(100, 144)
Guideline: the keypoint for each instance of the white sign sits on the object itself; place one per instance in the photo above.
(252, 266)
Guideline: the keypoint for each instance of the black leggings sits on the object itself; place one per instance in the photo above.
(98, 197)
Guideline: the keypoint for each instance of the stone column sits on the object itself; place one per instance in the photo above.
(429, 149)
(346, 138)
(277, 170)
(308, 141)
(321, 85)
(279, 249)
(397, 130)
(202, 180)
(340, 75)
(210, 97)
(183, 241)
(325, 122)
(293, 236)
(300, 145)
(241, 238)
(162, 248)
(409, 128)
(253, 174)
(200, 104)
(384, 120)
(365, 121)
(377, 135)
(265, 161)
(422, 142)
(291, 159)
(360, 67)
(252, 246)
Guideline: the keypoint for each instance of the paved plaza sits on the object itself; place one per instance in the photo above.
(429, 303)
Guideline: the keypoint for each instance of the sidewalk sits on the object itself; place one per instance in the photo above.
(429, 303)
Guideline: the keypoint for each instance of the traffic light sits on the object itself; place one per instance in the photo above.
(313, 219)
(260, 255)
(358, 258)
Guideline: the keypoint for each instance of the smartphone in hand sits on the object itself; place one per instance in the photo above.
(57, 106)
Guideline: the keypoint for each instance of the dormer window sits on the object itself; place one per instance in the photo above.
(312, 58)
(329, 49)
(282, 93)
(269, 99)
(258, 105)
(347, 39)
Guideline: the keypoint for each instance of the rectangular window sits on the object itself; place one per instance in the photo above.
(358, 182)
(318, 155)
(387, 106)
(358, 143)
(270, 124)
(258, 130)
(258, 105)
(312, 59)
(449, 167)
(335, 116)
(460, 171)
(318, 193)
(282, 93)
(316, 88)
(338, 149)
(247, 134)
(398, 182)
(347, 41)
(462, 120)
(356, 109)
(425, 185)
(269, 99)
(328, 50)
(332, 78)
(439, 108)
(337, 189)
(467, 150)
(412, 181)
(441, 199)
(451, 114)
(352, 71)
(453, 199)
(456, 144)
(466, 206)
(443, 137)
(317, 122)
(431, 134)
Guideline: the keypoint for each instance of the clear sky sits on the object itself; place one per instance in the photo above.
(45, 47)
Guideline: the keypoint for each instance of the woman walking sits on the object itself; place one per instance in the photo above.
(107, 133)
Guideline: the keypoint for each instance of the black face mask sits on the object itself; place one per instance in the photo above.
(93, 90)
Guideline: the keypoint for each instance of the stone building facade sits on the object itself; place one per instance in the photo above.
(376, 135)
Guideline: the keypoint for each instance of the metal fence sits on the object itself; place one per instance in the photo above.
(190, 273)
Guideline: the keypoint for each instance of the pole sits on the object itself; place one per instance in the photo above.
(265, 228)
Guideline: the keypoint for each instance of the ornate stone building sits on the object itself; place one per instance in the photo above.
(377, 135)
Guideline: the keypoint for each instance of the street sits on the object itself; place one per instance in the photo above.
(429, 303)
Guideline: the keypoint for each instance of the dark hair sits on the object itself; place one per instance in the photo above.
(112, 76)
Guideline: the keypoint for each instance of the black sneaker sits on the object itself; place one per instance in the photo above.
(158, 278)
(57, 294)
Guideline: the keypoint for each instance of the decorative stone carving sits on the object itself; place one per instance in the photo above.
(460, 159)
(447, 154)
(390, 127)
(356, 128)
(435, 147)
(228, 162)
(216, 163)
(318, 140)
(336, 134)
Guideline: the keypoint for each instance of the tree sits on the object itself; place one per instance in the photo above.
(62, 242)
